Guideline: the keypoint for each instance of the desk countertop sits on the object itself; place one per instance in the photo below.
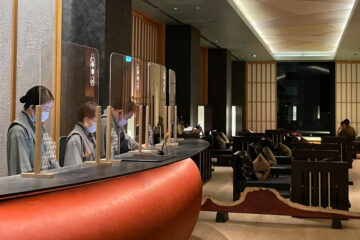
(15, 186)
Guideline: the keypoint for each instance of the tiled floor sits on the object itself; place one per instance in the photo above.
(251, 226)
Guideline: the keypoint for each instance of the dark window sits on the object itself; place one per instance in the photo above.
(306, 96)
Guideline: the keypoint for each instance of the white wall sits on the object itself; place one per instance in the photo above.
(36, 26)
(5, 75)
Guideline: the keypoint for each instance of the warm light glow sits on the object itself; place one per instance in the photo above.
(294, 117)
(201, 116)
(297, 28)
(233, 121)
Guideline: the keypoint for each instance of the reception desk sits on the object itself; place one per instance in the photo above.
(127, 200)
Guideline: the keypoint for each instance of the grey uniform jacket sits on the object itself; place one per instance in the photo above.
(125, 142)
(80, 146)
(21, 145)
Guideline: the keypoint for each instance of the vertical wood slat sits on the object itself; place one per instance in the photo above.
(14, 60)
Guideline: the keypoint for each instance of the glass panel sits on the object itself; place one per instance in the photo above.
(47, 148)
(156, 99)
(78, 101)
(126, 95)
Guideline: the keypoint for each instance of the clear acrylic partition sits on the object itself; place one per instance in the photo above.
(46, 94)
(126, 92)
(79, 82)
(156, 98)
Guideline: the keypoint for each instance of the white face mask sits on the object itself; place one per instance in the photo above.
(122, 123)
(44, 116)
(92, 128)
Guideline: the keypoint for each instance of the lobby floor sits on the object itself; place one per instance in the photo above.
(253, 226)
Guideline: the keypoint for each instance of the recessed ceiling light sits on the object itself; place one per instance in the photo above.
(175, 8)
(197, 8)
(273, 30)
(216, 41)
(254, 55)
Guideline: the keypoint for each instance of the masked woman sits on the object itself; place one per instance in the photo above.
(81, 144)
(21, 134)
(121, 142)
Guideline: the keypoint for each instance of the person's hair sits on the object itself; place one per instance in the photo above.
(87, 109)
(346, 121)
(36, 96)
(125, 105)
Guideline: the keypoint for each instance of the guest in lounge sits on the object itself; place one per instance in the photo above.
(121, 142)
(345, 130)
(21, 134)
(81, 144)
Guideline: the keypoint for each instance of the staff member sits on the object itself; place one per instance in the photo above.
(21, 134)
(81, 144)
(121, 142)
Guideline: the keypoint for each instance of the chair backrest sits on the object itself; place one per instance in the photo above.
(323, 184)
(277, 135)
(241, 143)
(345, 145)
(62, 149)
(316, 155)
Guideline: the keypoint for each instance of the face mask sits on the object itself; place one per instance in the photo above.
(92, 128)
(122, 123)
(44, 116)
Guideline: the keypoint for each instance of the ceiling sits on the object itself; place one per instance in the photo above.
(301, 26)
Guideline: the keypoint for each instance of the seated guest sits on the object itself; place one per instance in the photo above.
(121, 142)
(21, 134)
(81, 144)
(346, 130)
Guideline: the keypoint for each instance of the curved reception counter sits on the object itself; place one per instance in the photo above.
(134, 199)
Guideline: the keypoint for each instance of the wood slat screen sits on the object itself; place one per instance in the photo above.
(261, 96)
(347, 93)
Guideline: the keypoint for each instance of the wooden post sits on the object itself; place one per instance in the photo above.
(108, 133)
(140, 127)
(147, 127)
(329, 191)
(169, 121)
(310, 203)
(319, 183)
(175, 123)
(98, 133)
(98, 160)
(38, 125)
(37, 152)
(165, 120)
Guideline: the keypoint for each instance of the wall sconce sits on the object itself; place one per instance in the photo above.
(92, 70)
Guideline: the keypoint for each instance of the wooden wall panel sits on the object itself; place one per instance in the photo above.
(261, 98)
(347, 93)
(148, 43)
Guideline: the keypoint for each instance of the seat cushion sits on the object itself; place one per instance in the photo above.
(261, 168)
(269, 156)
(285, 150)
